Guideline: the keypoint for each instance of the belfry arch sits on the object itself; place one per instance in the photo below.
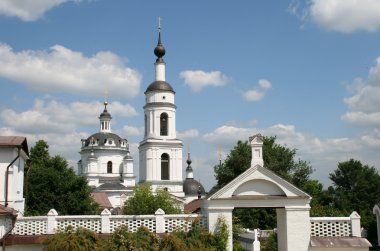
(258, 187)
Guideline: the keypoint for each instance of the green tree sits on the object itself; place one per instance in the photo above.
(356, 187)
(52, 184)
(280, 159)
(80, 239)
(144, 201)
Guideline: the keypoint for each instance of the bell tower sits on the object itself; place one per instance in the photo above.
(160, 151)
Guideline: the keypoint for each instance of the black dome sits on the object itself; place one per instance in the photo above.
(191, 187)
(100, 139)
(105, 114)
(159, 86)
(159, 51)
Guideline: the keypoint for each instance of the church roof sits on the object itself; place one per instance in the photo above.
(158, 86)
(102, 199)
(101, 138)
(110, 186)
(191, 187)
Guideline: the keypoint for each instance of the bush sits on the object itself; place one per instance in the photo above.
(80, 239)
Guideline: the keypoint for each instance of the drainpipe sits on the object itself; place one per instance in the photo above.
(7, 178)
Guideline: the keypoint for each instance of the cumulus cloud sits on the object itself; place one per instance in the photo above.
(188, 135)
(323, 154)
(346, 15)
(372, 139)
(133, 131)
(339, 15)
(56, 117)
(28, 10)
(197, 80)
(258, 93)
(364, 105)
(63, 70)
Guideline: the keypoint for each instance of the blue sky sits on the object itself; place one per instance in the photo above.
(307, 72)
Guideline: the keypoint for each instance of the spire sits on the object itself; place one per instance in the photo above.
(159, 51)
(189, 169)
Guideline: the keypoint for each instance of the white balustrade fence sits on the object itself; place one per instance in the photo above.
(336, 226)
(161, 223)
(105, 223)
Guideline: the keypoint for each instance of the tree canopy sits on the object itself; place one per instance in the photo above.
(280, 159)
(50, 183)
(144, 201)
(356, 187)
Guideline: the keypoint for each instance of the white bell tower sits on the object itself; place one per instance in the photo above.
(160, 151)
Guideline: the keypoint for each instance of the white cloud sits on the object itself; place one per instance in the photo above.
(197, 80)
(132, 131)
(64, 70)
(362, 119)
(346, 15)
(28, 10)
(258, 94)
(188, 135)
(364, 105)
(339, 15)
(323, 154)
(55, 117)
(372, 139)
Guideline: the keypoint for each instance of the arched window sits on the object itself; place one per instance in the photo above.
(164, 124)
(109, 167)
(165, 166)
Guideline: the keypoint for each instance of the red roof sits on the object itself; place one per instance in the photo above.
(7, 210)
(14, 141)
(193, 206)
(102, 199)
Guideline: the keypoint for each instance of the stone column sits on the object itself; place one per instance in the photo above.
(355, 225)
(293, 228)
(222, 213)
(105, 221)
(51, 225)
(160, 221)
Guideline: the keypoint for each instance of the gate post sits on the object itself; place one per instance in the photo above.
(225, 213)
(293, 228)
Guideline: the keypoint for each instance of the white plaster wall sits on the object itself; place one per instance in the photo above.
(153, 115)
(114, 198)
(36, 247)
(155, 97)
(15, 178)
(338, 249)
(258, 187)
(297, 229)
(102, 158)
(212, 218)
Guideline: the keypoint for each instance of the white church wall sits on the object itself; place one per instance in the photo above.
(34, 247)
(15, 178)
(154, 97)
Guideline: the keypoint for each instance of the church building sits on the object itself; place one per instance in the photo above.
(108, 165)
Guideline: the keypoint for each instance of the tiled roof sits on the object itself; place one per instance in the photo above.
(14, 141)
(102, 199)
(193, 206)
(7, 210)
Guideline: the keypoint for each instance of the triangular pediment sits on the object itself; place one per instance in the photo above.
(258, 181)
